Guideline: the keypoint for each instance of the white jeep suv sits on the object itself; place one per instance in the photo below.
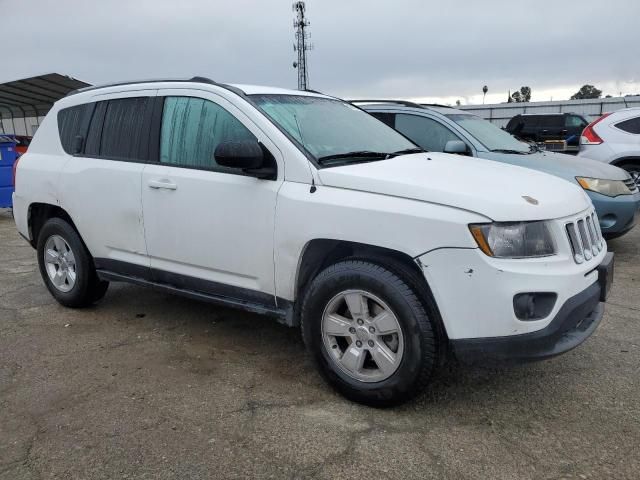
(305, 208)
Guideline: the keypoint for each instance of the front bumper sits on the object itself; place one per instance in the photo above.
(576, 320)
(617, 215)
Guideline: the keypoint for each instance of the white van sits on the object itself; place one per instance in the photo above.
(305, 208)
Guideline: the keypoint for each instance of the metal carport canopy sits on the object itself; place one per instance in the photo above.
(34, 96)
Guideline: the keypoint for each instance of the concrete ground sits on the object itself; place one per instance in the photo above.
(147, 385)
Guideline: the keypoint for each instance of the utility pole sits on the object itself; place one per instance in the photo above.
(302, 45)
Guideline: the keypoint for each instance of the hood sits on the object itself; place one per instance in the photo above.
(492, 189)
(561, 165)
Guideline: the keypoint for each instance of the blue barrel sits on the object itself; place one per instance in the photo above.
(7, 159)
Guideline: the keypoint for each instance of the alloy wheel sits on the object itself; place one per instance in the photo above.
(60, 263)
(362, 336)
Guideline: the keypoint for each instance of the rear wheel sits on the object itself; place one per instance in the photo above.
(66, 266)
(369, 333)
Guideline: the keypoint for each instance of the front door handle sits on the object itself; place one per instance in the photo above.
(165, 184)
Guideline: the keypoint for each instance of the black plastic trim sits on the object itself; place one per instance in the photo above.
(199, 289)
(404, 103)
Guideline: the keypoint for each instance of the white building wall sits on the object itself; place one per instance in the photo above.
(501, 113)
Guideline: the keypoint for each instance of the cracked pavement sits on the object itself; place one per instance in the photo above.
(151, 386)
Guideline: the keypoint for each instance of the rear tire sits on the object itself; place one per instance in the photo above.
(67, 267)
(369, 334)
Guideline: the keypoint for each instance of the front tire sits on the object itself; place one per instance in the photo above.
(634, 170)
(67, 267)
(369, 333)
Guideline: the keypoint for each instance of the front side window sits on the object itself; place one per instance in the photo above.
(330, 129)
(630, 126)
(192, 128)
(429, 134)
(489, 135)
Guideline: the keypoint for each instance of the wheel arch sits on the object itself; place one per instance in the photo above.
(318, 254)
(619, 162)
(39, 213)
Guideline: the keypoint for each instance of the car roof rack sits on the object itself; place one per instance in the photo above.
(406, 103)
(196, 79)
(439, 105)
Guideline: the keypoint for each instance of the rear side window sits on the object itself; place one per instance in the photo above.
(192, 128)
(553, 121)
(630, 126)
(427, 133)
(124, 136)
(575, 121)
(73, 122)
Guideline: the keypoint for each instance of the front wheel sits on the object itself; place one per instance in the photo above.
(634, 171)
(67, 267)
(369, 333)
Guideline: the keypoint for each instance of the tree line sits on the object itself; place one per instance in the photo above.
(524, 94)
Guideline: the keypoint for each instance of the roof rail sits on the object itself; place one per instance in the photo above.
(439, 105)
(196, 79)
(406, 103)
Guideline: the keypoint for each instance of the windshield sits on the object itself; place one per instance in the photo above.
(330, 129)
(492, 137)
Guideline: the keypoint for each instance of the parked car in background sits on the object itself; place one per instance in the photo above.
(303, 207)
(614, 138)
(554, 131)
(22, 144)
(444, 129)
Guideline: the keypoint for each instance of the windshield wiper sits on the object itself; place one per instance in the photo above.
(359, 154)
(506, 150)
(370, 154)
(407, 151)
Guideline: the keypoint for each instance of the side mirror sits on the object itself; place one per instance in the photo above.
(243, 155)
(456, 146)
(247, 156)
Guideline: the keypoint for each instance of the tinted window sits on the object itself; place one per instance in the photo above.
(547, 121)
(631, 126)
(73, 122)
(192, 128)
(427, 133)
(92, 144)
(388, 118)
(123, 133)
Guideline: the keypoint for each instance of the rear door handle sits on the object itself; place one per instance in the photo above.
(165, 184)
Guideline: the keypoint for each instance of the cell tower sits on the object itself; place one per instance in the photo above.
(302, 45)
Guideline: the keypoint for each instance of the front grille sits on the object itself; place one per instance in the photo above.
(632, 185)
(585, 237)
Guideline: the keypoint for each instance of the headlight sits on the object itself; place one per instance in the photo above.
(610, 188)
(513, 240)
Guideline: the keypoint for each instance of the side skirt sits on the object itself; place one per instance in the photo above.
(283, 313)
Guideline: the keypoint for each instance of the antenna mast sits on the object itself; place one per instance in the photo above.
(302, 45)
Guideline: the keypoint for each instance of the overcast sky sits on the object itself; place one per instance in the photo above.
(426, 49)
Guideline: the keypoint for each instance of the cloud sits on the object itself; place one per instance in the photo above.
(403, 48)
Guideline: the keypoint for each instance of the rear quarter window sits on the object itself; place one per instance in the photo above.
(73, 122)
(630, 126)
